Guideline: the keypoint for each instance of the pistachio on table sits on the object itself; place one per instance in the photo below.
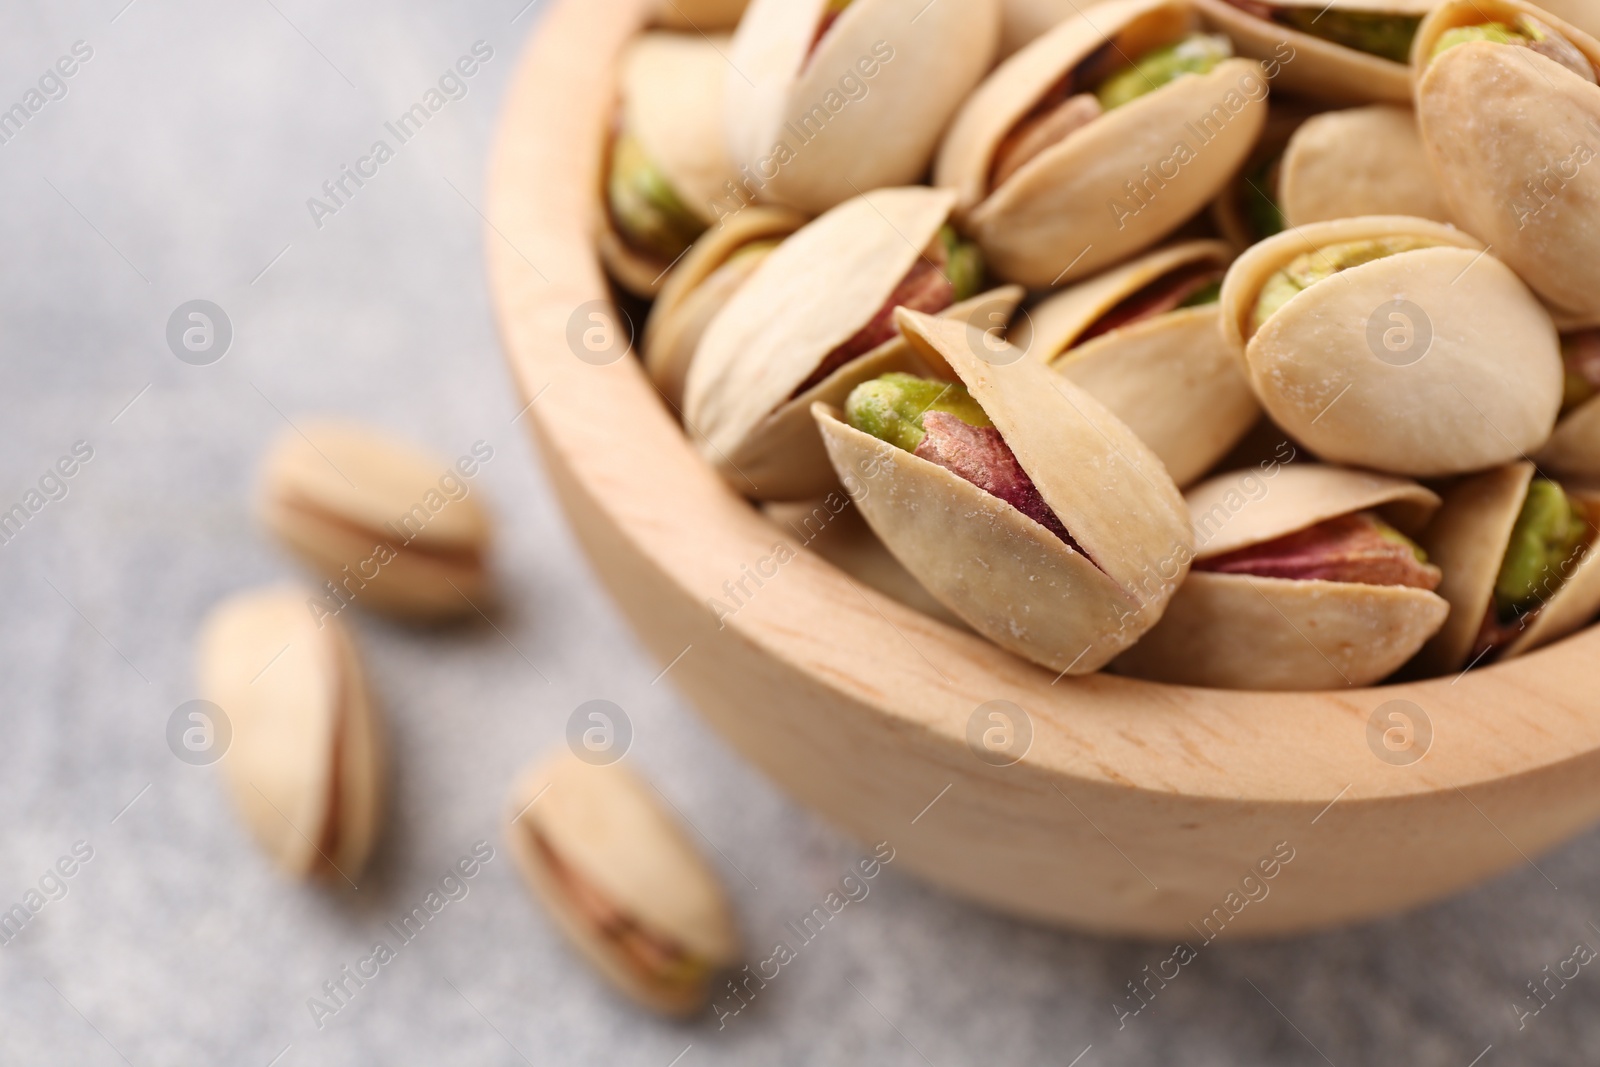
(699, 16)
(1099, 138)
(1355, 162)
(306, 762)
(1507, 105)
(701, 284)
(1345, 51)
(812, 322)
(1394, 343)
(1014, 497)
(622, 881)
(666, 168)
(387, 525)
(1574, 449)
(1520, 569)
(1144, 340)
(1300, 581)
(829, 99)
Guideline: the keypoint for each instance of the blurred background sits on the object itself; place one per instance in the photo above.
(176, 165)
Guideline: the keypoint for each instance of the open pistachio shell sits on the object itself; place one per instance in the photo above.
(702, 16)
(700, 285)
(392, 527)
(1119, 183)
(1359, 161)
(305, 763)
(1427, 362)
(1313, 66)
(1468, 539)
(1511, 136)
(820, 121)
(622, 881)
(1170, 377)
(1240, 631)
(1007, 576)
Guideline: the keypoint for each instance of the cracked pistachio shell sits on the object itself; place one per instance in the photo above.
(699, 15)
(1506, 130)
(1355, 162)
(1069, 212)
(1170, 377)
(305, 764)
(1486, 388)
(862, 111)
(369, 514)
(698, 288)
(631, 861)
(1468, 540)
(1236, 631)
(1008, 577)
(1312, 66)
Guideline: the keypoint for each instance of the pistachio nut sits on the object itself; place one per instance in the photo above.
(1346, 51)
(701, 284)
(1394, 343)
(700, 16)
(667, 168)
(1509, 112)
(1022, 21)
(387, 525)
(1574, 449)
(1025, 507)
(826, 100)
(306, 762)
(1302, 580)
(622, 881)
(1520, 570)
(1098, 139)
(811, 323)
(1144, 340)
(1355, 162)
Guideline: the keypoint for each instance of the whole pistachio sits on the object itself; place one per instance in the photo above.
(1375, 32)
(646, 209)
(1549, 531)
(1199, 53)
(1312, 267)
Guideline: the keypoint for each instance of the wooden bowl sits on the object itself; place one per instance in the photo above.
(1139, 809)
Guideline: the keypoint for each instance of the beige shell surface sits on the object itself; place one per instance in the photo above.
(782, 457)
(1253, 506)
(1358, 161)
(1069, 212)
(636, 272)
(1235, 631)
(341, 495)
(305, 762)
(1511, 135)
(813, 293)
(1311, 66)
(866, 109)
(702, 16)
(1574, 449)
(1485, 389)
(699, 287)
(608, 826)
(1584, 14)
(672, 102)
(1024, 21)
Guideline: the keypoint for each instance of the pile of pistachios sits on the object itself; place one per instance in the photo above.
(1237, 343)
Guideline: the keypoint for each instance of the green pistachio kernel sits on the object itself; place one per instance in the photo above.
(1206, 294)
(644, 206)
(1199, 53)
(1312, 267)
(1528, 33)
(890, 408)
(963, 265)
(1373, 32)
(1493, 32)
(1393, 536)
(1261, 211)
(1549, 531)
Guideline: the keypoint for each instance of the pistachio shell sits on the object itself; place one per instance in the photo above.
(672, 102)
(350, 501)
(1315, 67)
(1485, 390)
(1011, 579)
(922, 58)
(1510, 134)
(1104, 192)
(1169, 377)
(700, 286)
(1360, 161)
(1574, 449)
(305, 764)
(1023, 21)
(605, 828)
(1584, 14)
(1468, 540)
(1241, 631)
(702, 16)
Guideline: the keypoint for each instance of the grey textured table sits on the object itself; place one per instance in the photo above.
(178, 165)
